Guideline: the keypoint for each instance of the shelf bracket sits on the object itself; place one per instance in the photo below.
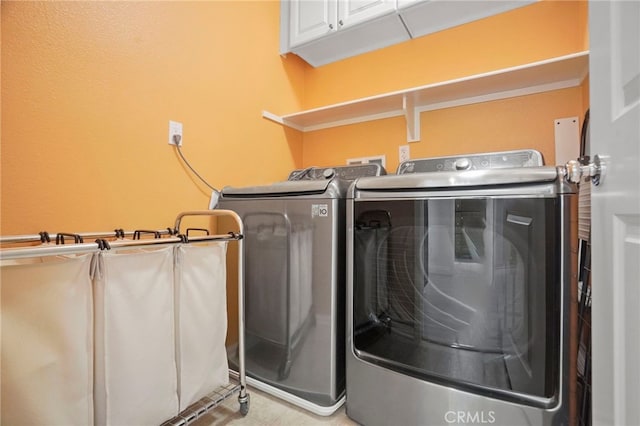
(412, 117)
(280, 120)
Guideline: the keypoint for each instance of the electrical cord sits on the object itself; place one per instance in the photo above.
(177, 145)
(584, 134)
(215, 194)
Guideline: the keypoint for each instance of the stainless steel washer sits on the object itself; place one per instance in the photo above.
(295, 283)
(461, 272)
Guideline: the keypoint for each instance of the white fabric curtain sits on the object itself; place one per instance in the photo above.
(135, 368)
(46, 318)
(201, 320)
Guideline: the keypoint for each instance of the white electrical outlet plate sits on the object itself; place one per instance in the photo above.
(403, 153)
(175, 129)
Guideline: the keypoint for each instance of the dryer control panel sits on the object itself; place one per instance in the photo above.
(489, 160)
(342, 172)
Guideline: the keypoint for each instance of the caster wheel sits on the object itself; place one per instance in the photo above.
(244, 405)
(244, 408)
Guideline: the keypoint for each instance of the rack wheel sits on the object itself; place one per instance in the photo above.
(244, 404)
(244, 408)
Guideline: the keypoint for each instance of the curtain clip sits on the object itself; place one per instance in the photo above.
(136, 234)
(76, 238)
(103, 244)
(44, 237)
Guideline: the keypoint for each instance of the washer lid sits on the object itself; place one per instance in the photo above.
(299, 187)
(468, 178)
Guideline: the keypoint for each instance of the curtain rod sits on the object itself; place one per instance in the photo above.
(117, 233)
(61, 249)
(81, 247)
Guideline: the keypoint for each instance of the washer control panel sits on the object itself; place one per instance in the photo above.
(490, 160)
(342, 172)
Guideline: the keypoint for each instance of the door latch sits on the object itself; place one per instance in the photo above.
(575, 170)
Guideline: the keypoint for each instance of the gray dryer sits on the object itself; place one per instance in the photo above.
(461, 275)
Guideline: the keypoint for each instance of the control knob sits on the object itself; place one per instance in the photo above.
(328, 173)
(463, 164)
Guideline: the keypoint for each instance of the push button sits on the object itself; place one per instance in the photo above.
(463, 164)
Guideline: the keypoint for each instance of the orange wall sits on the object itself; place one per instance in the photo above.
(88, 89)
(517, 123)
(528, 34)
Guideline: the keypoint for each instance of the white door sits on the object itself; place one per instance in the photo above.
(311, 19)
(352, 12)
(614, 33)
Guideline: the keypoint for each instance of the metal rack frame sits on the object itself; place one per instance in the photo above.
(166, 236)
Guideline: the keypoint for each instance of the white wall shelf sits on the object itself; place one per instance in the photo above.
(536, 77)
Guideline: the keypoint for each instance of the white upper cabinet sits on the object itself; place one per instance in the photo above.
(353, 12)
(325, 31)
(428, 16)
(311, 19)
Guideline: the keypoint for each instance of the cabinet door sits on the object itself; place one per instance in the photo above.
(423, 17)
(311, 19)
(352, 12)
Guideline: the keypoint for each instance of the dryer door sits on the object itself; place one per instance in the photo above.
(460, 291)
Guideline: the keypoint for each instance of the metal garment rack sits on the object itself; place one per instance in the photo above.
(166, 236)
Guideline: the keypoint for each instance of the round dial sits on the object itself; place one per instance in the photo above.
(463, 164)
(328, 173)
